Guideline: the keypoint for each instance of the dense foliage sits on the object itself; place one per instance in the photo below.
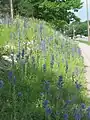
(56, 12)
(80, 28)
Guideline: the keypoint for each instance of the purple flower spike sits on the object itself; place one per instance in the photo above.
(65, 116)
(19, 94)
(45, 103)
(83, 106)
(1, 84)
(48, 111)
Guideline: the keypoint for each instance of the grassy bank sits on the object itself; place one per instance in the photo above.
(47, 82)
(86, 42)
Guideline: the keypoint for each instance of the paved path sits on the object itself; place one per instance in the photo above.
(85, 49)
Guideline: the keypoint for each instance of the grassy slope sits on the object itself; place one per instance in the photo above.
(30, 82)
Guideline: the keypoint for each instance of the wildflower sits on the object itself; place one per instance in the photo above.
(57, 113)
(10, 74)
(1, 84)
(88, 115)
(47, 85)
(44, 67)
(73, 49)
(78, 86)
(67, 102)
(19, 94)
(43, 45)
(77, 116)
(88, 109)
(65, 116)
(83, 106)
(50, 39)
(45, 103)
(79, 51)
(60, 81)
(48, 111)
(23, 53)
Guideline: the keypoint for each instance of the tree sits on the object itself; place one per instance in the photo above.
(57, 12)
(4, 6)
(79, 27)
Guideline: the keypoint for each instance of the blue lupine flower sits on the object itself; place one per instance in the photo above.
(23, 53)
(78, 86)
(45, 103)
(48, 111)
(57, 113)
(79, 51)
(41, 27)
(1, 84)
(88, 115)
(41, 94)
(43, 45)
(77, 116)
(83, 106)
(19, 94)
(10, 74)
(73, 49)
(60, 81)
(67, 102)
(44, 67)
(50, 39)
(88, 109)
(65, 116)
(47, 85)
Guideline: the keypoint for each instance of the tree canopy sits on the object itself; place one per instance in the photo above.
(57, 12)
(79, 27)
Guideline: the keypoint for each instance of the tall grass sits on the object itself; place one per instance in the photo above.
(47, 81)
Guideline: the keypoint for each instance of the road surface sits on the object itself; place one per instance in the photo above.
(85, 49)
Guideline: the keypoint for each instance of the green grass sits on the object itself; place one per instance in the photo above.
(38, 79)
(86, 42)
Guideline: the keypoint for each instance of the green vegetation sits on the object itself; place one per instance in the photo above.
(56, 12)
(86, 42)
(79, 27)
(47, 81)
